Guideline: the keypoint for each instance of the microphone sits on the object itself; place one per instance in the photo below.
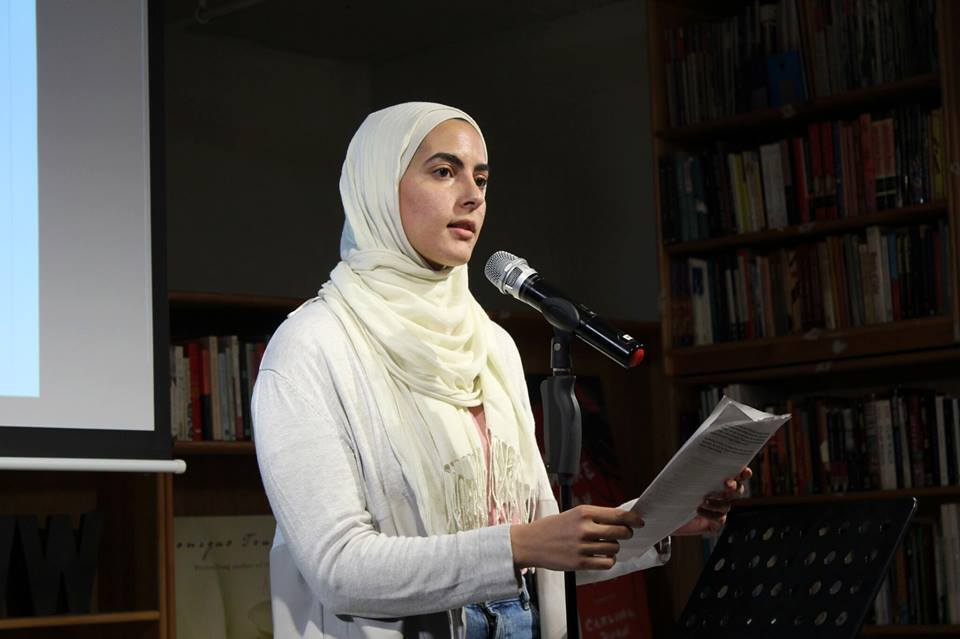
(511, 275)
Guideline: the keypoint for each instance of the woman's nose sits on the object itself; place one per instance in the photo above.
(472, 196)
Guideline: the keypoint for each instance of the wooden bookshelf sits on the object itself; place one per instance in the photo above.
(188, 449)
(812, 230)
(923, 349)
(234, 301)
(918, 87)
(222, 477)
(938, 493)
(931, 359)
(816, 345)
(66, 621)
(129, 596)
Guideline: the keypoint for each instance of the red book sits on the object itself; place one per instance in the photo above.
(829, 171)
(196, 389)
(856, 166)
(848, 155)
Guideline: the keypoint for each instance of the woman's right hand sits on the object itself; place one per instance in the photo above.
(582, 538)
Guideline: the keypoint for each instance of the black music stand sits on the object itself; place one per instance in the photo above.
(797, 572)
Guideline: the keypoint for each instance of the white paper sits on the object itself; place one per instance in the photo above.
(726, 442)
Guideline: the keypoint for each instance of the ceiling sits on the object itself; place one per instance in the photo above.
(364, 31)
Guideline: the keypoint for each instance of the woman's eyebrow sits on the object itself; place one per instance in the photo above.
(454, 160)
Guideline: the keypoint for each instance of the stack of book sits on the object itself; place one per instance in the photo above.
(211, 381)
(784, 52)
(838, 169)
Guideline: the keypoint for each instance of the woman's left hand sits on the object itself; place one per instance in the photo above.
(712, 513)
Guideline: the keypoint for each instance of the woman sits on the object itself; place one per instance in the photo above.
(393, 430)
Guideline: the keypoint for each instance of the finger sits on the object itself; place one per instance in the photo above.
(718, 502)
(712, 511)
(746, 473)
(718, 496)
(615, 516)
(596, 531)
(601, 548)
(711, 514)
(602, 562)
(732, 489)
(712, 521)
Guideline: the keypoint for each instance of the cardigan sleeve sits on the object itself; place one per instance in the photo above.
(313, 481)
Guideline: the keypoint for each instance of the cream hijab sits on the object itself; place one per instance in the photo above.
(427, 347)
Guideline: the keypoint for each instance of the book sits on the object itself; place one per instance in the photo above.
(222, 576)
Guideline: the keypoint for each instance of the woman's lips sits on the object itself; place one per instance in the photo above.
(464, 229)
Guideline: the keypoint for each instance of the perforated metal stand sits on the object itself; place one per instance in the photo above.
(803, 571)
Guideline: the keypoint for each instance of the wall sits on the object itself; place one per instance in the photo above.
(256, 138)
(255, 141)
(564, 107)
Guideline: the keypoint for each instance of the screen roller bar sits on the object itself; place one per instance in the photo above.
(175, 466)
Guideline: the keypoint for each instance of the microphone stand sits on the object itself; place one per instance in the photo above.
(562, 425)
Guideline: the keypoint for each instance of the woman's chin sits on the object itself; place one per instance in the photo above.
(448, 260)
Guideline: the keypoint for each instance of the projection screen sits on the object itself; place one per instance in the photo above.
(83, 326)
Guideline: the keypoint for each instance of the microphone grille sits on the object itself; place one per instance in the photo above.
(496, 267)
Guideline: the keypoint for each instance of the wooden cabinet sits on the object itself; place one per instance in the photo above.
(130, 591)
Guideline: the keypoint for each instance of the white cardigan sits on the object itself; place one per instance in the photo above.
(350, 557)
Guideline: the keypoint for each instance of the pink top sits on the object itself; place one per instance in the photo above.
(479, 419)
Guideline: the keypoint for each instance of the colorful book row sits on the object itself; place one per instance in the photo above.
(902, 439)
(211, 382)
(838, 169)
(843, 281)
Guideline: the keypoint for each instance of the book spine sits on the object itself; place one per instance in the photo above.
(194, 354)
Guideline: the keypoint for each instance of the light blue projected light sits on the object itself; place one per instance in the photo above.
(19, 202)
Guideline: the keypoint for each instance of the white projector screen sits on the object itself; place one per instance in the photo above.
(80, 348)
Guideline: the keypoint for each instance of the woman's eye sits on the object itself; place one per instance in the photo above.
(481, 181)
(442, 171)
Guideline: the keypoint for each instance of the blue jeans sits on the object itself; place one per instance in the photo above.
(514, 618)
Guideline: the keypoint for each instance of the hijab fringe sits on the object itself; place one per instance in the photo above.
(472, 496)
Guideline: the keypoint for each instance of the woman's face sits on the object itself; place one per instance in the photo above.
(442, 194)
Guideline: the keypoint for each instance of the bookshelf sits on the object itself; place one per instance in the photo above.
(129, 598)
(222, 477)
(811, 358)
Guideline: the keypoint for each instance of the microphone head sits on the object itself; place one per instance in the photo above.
(500, 267)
